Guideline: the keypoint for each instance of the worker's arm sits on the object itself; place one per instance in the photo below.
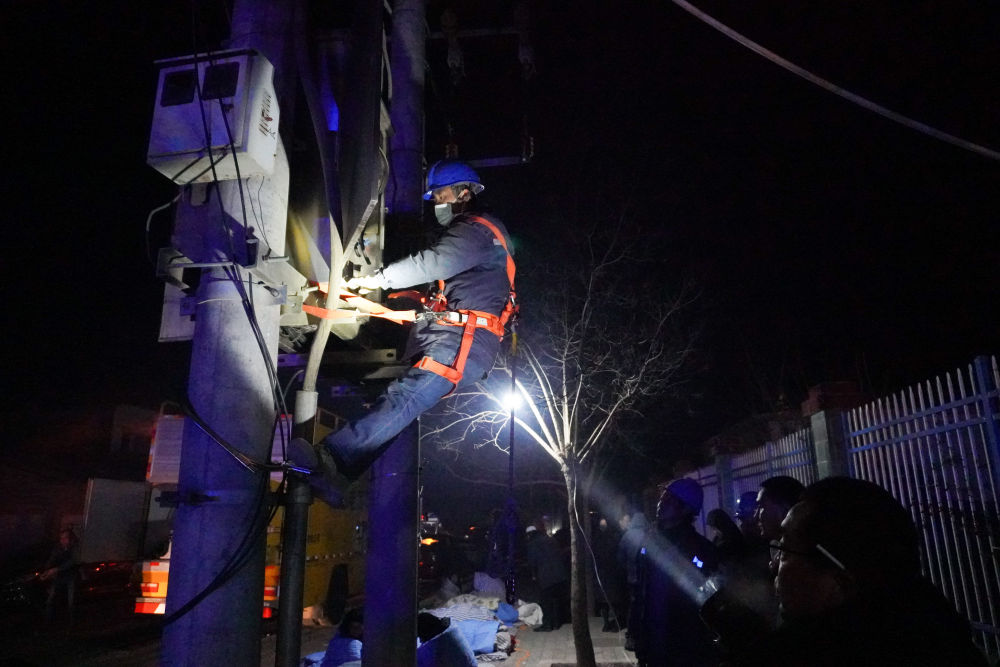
(463, 246)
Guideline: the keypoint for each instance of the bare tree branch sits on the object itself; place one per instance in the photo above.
(485, 481)
(606, 343)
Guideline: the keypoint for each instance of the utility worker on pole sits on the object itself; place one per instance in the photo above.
(454, 345)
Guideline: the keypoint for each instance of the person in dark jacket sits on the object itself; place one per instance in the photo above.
(850, 588)
(543, 556)
(728, 539)
(628, 556)
(746, 608)
(673, 564)
(474, 259)
(609, 580)
(59, 572)
(746, 506)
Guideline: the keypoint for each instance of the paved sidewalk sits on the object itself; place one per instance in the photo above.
(533, 649)
(556, 648)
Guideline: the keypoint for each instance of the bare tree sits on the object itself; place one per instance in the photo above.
(603, 341)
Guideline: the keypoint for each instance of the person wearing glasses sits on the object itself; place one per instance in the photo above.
(850, 588)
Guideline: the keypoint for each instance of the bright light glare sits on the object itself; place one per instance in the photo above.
(511, 400)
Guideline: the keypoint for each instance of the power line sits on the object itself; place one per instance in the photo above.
(835, 89)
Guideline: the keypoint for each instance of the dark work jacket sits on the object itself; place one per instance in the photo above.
(473, 264)
(543, 555)
(909, 626)
(669, 630)
(66, 561)
(468, 257)
(628, 547)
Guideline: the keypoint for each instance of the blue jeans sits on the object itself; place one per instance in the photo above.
(359, 443)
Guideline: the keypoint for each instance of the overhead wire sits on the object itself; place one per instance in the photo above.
(835, 89)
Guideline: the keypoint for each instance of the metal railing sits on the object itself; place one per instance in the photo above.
(934, 447)
(792, 455)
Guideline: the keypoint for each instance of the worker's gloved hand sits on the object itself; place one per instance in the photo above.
(364, 284)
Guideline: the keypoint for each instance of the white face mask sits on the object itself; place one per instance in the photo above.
(443, 213)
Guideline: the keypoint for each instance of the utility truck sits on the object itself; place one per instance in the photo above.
(335, 542)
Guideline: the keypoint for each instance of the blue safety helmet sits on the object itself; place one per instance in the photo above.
(451, 172)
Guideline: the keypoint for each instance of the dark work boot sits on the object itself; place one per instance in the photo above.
(327, 483)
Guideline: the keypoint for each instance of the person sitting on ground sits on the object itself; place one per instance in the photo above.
(851, 591)
(441, 643)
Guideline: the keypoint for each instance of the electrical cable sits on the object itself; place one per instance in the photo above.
(212, 161)
(228, 232)
(149, 220)
(247, 462)
(245, 549)
(233, 272)
(835, 89)
(251, 314)
(239, 558)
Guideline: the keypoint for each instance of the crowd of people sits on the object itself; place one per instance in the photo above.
(820, 575)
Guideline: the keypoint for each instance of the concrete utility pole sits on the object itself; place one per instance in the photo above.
(393, 514)
(223, 507)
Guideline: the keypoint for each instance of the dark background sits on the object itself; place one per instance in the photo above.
(829, 243)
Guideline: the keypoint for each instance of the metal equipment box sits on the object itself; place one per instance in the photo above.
(215, 117)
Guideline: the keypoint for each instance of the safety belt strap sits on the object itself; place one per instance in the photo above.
(454, 372)
(511, 269)
(441, 303)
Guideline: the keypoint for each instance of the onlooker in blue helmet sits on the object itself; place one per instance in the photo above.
(674, 562)
(455, 347)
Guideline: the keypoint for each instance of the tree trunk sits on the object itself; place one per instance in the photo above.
(578, 575)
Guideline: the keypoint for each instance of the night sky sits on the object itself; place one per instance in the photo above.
(829, 243)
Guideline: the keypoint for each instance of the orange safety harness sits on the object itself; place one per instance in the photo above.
(470, 320)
